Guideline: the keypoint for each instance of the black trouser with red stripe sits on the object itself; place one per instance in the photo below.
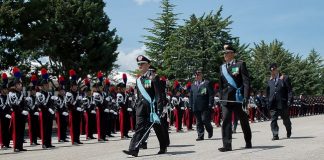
(61, 121)
(91, 124)
(101, 123)
(19, 121)
(75, 119)
(47, 125)
(33, 125)
(5, 133)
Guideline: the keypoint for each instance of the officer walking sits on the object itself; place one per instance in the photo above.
(279, 91)
(201, 101)
(235, 87)
(148, 98)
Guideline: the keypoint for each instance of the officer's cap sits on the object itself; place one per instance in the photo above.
(142, 59)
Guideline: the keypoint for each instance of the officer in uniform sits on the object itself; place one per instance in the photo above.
(124, 121)
(234, 86)
(20, 111)
(61, 112)
(201, 102)
(33, 117)
(101, 115)
(279, 91)
(5, 114)
(90, 108)
(44, 103)
(162, 112)
(73, 103)
(149, 85)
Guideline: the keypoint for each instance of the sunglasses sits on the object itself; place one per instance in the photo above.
(140, 64)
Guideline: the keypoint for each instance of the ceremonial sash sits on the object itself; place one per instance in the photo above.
(230, 80)
(154, 118)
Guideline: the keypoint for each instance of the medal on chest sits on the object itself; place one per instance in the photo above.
(147, 83)
(235, 71)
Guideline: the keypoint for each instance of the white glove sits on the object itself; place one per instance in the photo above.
(51, 110)
(79, 109)
(79, 98)
(106, 110)
(129, 109)
(115, 113)
(36, 113)
(25, 113)
(113, 100)
(111, 111)
(8, 116)
(65, 113)
(93, 112)
(68, 94)
(108, 99)
(182, 108)
(130, 98)
(55, 98)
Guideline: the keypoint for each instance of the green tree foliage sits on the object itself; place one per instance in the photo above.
(199, 44)
(159, 40)
(305, 74)
(10, 12)
(74, 34)
(262, 55)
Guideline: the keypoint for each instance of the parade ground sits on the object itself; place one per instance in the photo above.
(307, 142)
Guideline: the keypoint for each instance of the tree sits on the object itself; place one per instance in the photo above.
(198, 44)
(262, 55)
(159, 40)
(10, 12)
(73, 34)
(312, 83)
(305, 74)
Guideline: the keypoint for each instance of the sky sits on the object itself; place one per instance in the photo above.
(299, 24)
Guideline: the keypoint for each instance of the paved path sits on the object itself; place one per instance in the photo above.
(307, 142)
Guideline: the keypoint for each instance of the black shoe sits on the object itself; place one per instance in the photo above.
(16, 150)
(162, 151)
(288, 134)
(5, 147)
(46, 147)
(109, 135)
(91, 137)
(223, 149)
(127, 136)
(131, 153)
(234, 131)
(34, 144)
(199, 139)
(248, 145)
(144, 146)
(23, 149)
(210, 135)
(275, 138)
(66, 140)
(79, 142)
(51, 146)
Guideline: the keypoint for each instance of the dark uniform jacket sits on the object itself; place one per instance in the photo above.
(238, 71)
(201, 96)
(279, 92)
(154, 90)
